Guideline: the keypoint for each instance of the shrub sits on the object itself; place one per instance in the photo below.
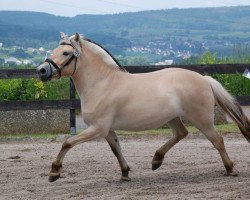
(33, 89)
(22, 89)
(236, 84)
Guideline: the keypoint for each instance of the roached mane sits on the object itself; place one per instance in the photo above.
(114, 59)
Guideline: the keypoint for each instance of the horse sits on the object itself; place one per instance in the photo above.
(113, 99)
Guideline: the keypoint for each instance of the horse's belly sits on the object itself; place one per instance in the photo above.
(145, 117)
(145, 124)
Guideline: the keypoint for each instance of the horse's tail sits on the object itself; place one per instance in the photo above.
(230, 106)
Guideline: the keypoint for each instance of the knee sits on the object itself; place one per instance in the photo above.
(66, 145)
(219, 143)
(182, 134)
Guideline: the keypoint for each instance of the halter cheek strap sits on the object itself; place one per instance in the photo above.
(75, 55)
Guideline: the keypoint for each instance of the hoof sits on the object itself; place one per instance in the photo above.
(234, 173)
(156, 165)
(124, 178)
(53, 177)
(157, 160)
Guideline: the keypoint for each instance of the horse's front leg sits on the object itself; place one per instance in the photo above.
(115, 147)
(87, 135)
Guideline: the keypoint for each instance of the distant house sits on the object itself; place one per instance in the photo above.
(186, 55)
(12, 60)
(49, 52)
(31, 50)
(41, 50)
(165, 62)
(27, 62)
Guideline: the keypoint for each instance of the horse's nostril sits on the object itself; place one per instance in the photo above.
(42, 71)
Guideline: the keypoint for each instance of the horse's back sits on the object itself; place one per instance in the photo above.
(171, 79)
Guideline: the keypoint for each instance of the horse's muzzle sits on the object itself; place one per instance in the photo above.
(44, 72)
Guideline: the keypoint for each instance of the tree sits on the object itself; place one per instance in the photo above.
(20, 53)
(133, 60)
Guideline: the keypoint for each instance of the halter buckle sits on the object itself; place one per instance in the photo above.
(76, 53)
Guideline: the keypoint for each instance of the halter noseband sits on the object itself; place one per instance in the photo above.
(75, 55)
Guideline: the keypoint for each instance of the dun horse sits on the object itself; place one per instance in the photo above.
(112, 99)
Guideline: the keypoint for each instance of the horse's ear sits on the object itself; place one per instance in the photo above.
(63, 35)
(77, 37)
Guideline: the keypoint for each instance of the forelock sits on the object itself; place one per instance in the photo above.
(70, 41)
(65, 41)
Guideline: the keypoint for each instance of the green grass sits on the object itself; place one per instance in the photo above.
(224, 128)
(28, 136)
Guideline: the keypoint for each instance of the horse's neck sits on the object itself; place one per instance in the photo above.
(99, 55)
(95, 66)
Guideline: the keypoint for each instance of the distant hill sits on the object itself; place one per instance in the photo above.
(174, 29)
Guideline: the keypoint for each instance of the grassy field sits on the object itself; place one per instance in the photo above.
(224, 129)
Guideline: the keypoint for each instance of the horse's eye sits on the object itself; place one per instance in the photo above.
(65, 53)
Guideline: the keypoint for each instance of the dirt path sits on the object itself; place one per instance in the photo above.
(192, 170)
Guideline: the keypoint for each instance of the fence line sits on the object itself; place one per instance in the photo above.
(73, 103)
(203, 69)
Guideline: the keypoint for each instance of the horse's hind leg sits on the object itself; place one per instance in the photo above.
(115, 147)
(217, 140)
(204, 121)
(179, 132)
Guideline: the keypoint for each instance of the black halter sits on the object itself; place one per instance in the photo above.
(58, 69)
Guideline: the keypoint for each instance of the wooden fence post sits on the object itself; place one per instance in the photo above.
(72, 111)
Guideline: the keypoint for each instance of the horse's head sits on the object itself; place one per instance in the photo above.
(63, 61)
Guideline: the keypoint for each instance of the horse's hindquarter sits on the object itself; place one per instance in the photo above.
(150, 100)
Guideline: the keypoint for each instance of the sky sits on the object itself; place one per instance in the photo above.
(78, 7)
